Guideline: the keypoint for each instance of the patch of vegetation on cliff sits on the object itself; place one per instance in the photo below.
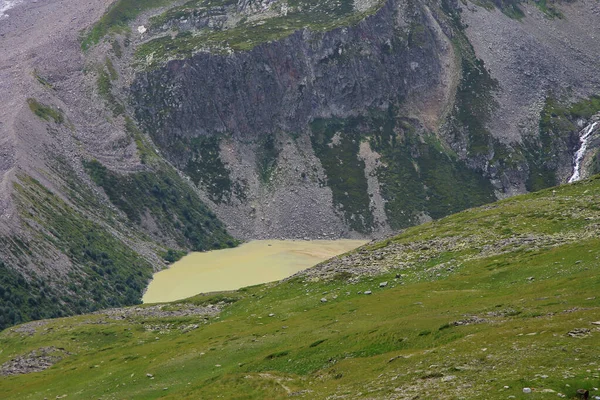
(117, 18)
(558, 127)
(492, 300)
(42, 80)
(421, 176)
(266, 157)
(189, 10)
(595, 165)
(316, 16)
(106, 74)
(510, 8)
(549, 8)
(336, 143)
(513, 9)
(45, 112)
(106, 273)
(474, 102)
(206, 169)
(146, 152)
(168, 200)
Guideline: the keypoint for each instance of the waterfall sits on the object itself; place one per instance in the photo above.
(584, 138)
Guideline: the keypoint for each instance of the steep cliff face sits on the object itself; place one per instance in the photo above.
(292, 115)
(284, 85)
(387, 121)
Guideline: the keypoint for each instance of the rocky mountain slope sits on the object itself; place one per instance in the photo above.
(491, 302)
(133, 132)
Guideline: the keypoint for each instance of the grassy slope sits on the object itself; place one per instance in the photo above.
(398, 342)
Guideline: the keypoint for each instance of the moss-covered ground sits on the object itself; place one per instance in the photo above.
(509, 302)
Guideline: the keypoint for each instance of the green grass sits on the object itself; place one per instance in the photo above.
(405, 339)
(45, 112)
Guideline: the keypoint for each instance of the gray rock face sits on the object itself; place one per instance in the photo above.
(284, 85)
(277, 90)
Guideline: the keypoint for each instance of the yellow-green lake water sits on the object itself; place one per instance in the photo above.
(249, 264)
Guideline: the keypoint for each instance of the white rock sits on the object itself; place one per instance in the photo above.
(383, 284)
(368, 292)
(142, 29)
(526, 390)
(323, 300)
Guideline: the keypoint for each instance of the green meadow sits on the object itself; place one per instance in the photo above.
(480, 304)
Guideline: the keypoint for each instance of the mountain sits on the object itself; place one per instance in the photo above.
(134, 132)
(489, 302)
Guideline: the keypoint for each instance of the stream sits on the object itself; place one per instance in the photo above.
(584, 138)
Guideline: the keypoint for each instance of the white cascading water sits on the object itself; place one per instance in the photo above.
(584, 138)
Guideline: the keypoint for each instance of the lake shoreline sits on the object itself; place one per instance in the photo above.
(250, 263)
